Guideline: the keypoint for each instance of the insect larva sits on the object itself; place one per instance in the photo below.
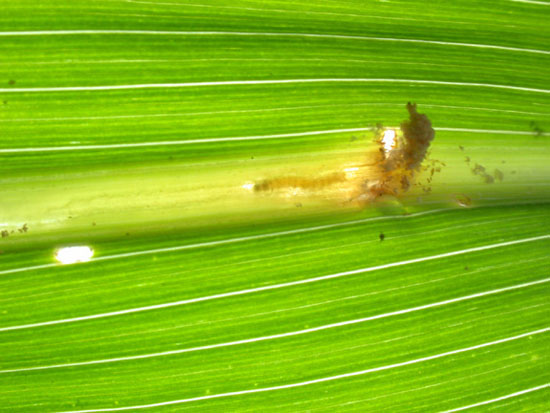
(299, 182)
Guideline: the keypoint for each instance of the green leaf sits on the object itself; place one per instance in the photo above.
(193, 147)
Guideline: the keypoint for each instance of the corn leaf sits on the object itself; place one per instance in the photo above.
(168, 137)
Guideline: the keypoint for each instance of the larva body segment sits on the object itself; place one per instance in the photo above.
(298, 182)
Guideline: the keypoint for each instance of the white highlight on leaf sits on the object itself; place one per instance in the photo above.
(539, 3)
(351, 172)
(232, 240)
(71, 255)
(321, 380)
(388, 139)
(275, 286)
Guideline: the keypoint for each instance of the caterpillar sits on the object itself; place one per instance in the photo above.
(297, 182)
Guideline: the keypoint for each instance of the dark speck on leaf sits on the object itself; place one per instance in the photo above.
(11, 82)
(536, 128)
(382, 236)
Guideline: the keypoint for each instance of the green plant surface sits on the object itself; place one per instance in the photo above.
(135, 127)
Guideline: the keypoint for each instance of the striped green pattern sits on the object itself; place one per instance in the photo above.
(111, 110)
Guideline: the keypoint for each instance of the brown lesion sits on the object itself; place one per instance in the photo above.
(481, 171)
(6, 233)
(397, 168)
(382, 172)
(418, 133)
